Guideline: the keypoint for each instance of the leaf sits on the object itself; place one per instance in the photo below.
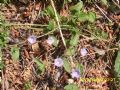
(77, 7)
(41, 66)
(79, 67)
(82, 16)
(27, 86)
(104, 2)
(49, 10)
(67, 65)
(117, 64)
(3, 39)
(15, 53)
(91, 16)
(51, 25)
(70, 51)
(1, 65)
(71, 87)
(74, 39)
(98, 33)
(1, 62)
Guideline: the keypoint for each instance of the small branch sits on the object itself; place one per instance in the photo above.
(58, 22)
(101, 10)
(19, 24)
(117, 4)
(47, 33)
(28, 24)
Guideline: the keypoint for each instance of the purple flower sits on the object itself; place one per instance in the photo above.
(58, 62)
(50, 40)
(32, 39)
(75, 73)
(83, 51)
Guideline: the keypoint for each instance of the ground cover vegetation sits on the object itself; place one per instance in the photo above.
(59, 44)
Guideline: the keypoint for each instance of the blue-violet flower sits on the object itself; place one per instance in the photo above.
(58, 62)
(32, 39)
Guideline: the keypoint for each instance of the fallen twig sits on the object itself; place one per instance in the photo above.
(101, 10)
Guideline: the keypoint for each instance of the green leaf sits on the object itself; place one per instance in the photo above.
(27, 86)
(72, 22)
(104, 2)
(51, 25)
(49, 11)
(82, 16)
(67, 65)
(1, 62)
(1, 65)
(3, 39)
(98, 33)
(77, 7)
(70, 51)
(71, 87)
(91, 16)
(74, 39)
(79, 67)
(41, 66)
(15, 53)
(117, 64)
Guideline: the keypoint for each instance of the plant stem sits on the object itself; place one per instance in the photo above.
(103, 12)
(41, 25)
(58, 22)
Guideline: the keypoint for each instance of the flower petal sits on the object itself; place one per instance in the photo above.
(83, 51)
(58, 62)
(50, 40)
(75, 73)
(32, 39)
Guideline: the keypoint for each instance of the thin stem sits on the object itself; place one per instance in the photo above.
(19, 24)
(47, 33)
(117, 4)
(58, 22)
(59, 27)
(103, 12)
